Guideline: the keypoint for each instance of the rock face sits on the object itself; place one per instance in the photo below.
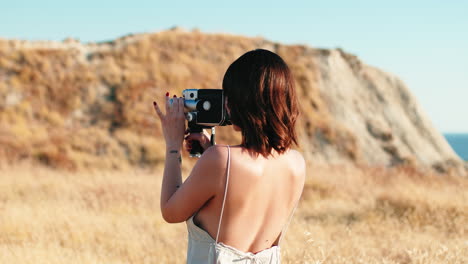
(76, 105)
(387, 123)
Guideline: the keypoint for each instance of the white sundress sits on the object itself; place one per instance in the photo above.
(203, 249)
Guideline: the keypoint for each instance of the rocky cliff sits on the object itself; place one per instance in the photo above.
(75, 105)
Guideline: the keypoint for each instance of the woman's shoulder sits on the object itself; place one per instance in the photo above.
(218, 154)
(216, 151)
(298, 164)
(298, 158)
(215, 155)
(212, 163)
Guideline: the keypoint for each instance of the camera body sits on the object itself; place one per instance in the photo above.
(205, 107)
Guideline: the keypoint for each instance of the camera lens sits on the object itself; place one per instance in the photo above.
(192, 95)
(206, 105)
(190, 116)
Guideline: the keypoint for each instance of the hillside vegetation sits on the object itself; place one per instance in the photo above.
(73, 106)
(92, 106)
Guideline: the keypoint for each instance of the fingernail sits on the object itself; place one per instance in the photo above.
(174, 96)
(167, 94)
(154, 103)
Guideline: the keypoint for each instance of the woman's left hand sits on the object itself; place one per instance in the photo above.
(173, 122)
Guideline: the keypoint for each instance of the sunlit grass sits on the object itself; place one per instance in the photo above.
(347, 215)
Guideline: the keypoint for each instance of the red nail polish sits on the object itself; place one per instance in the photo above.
(154, 103)
(167, 94)
(174, 96)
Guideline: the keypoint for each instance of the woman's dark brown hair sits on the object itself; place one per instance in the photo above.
(261, 97)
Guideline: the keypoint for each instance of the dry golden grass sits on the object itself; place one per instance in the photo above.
(347, 215)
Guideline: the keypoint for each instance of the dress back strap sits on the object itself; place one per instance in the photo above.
(285, 227)
(225, 191)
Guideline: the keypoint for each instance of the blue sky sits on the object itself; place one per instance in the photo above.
(423, 42)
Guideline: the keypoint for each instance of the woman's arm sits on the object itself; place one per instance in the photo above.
(172, 177)
(206, 178)
(179, 201)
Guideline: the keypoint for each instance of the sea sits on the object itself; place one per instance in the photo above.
(459, 143)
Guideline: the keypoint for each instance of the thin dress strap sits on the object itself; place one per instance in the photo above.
(225, 191)
(285, 227)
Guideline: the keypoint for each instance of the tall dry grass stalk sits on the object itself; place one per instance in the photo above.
(347, 215)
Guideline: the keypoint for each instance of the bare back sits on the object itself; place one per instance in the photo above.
(260, 198)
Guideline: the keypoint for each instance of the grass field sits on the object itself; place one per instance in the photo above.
(347, 215)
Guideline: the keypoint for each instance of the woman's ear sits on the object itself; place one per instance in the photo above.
(228, 111)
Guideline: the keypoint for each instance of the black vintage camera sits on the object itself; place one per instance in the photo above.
(204, 108)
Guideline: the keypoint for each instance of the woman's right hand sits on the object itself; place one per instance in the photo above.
(203, 138)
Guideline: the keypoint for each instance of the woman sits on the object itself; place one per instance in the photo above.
(238, 200)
